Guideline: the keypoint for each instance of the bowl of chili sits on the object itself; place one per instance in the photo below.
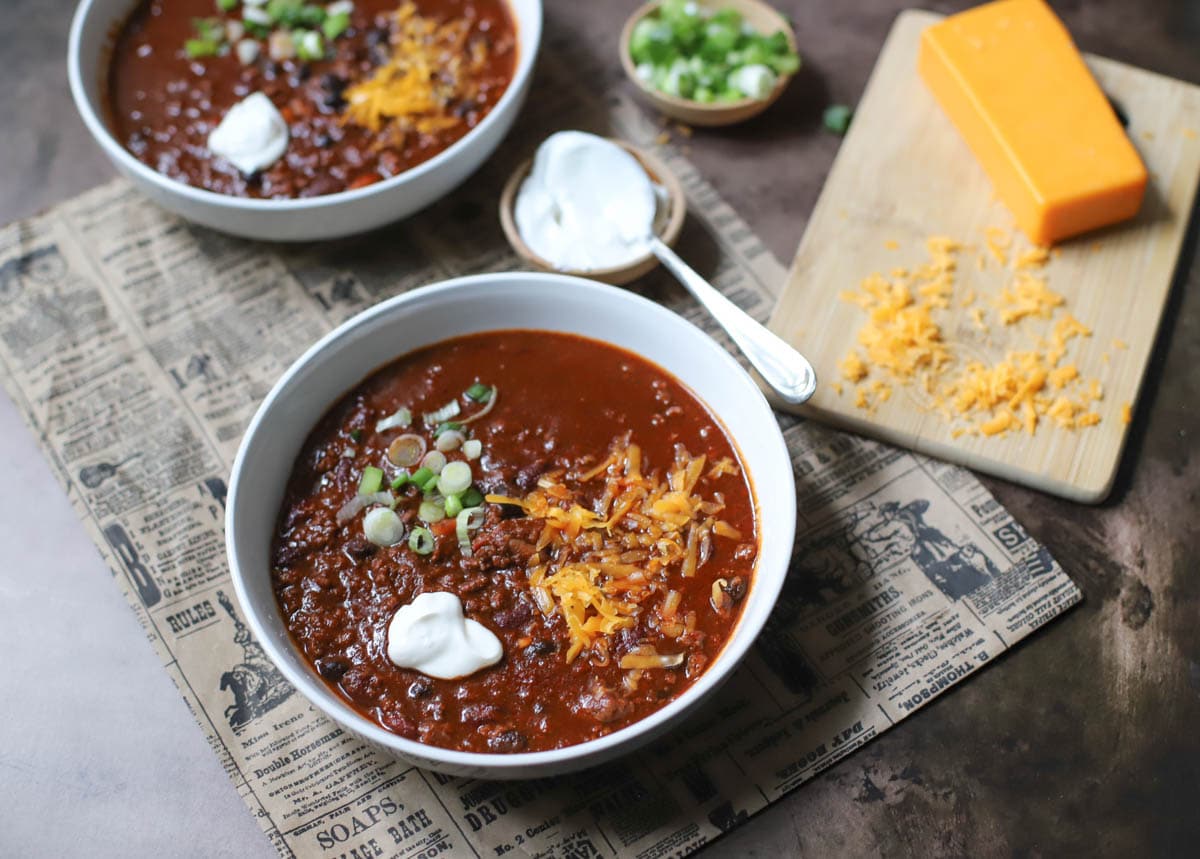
(298, 121)
(639, 454)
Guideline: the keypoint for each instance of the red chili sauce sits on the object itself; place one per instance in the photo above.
(163, 103)
(571, 419)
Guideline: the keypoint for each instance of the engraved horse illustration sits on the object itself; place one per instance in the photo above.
(257, 685)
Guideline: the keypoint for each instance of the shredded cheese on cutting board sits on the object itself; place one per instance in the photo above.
(901, 343)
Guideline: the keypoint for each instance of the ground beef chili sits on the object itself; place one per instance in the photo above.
(163, 104)
(562, 408)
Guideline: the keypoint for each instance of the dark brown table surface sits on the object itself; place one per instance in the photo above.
(1084, 740)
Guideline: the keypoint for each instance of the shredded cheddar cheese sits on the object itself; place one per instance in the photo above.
(901, 343)
(429, 70)
(597, 565)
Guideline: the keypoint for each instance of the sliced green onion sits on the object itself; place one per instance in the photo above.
(400, 479)
(309, 44)
(356, 435)
(335, 25)
(450, 440)
(430, 485)
(257, 21)
(209, 29)
(383, 527)
(446, 426)
(421, 476)
(445, 413)
(435, 461)
(455, 478)
(472, 497)
(421, 541)
(399, 418)
(227, 5)
(479, 392)
(837, 118)
(464, 523)
(472, 448)
(453, 505)
(197, 48)
(406, 450)
(371, 482)
(431, 511)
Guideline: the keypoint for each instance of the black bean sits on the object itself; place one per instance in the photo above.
(512, 617)
(541, 647)
(331, 669)
(419, 689)
(357, 547)
(508, 741)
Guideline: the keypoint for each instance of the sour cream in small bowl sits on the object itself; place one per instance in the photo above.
(567, 209)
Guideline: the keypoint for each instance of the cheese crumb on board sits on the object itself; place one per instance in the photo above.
(901, 344)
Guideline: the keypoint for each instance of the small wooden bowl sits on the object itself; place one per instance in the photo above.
(620, 275)
(758, 15)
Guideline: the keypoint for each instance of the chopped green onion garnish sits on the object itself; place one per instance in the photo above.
(421, 476)
(453, 505)
(356, 435)
(431, 511)
(309, 44)
(430, 484)
(209, 29)
(455, 478)
(837, 118)
(446, 425)
(400, 479)
(335, 25)
(472, 448)
(465, 522)
(435, 461)
(227, 5)
(472, 497)
(421, 541)
(400, 418)
(197, 48)
(372, 480)
(479, 392)
(445, 413)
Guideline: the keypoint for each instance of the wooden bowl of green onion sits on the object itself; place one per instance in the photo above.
(709, 62)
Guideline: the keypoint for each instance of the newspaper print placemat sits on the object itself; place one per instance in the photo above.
(138, 346)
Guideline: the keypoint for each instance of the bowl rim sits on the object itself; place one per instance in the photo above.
(714, 108)
(107, 141)
(726, 661)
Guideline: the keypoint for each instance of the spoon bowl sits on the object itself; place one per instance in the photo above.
(659, 173)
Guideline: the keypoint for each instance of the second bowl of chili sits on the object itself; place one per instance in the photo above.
(351, 147)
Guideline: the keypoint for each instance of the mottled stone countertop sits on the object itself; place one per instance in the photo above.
(1083, 740)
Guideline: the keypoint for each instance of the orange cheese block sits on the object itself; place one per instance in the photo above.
(1012, 81)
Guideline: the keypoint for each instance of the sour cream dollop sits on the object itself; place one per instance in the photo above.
(252, 136)
(587, 204)
(432, 636)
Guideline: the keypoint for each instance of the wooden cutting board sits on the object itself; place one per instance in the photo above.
(904, 174)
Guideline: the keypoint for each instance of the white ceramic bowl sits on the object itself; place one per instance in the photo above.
(311, 218)
(342, 359)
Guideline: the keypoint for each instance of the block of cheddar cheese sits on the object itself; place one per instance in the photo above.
(1014, 84)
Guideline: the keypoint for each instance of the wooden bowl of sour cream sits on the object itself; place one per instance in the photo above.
(668, 225)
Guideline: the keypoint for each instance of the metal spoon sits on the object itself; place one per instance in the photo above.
(785, 370)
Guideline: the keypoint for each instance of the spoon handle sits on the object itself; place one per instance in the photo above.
(785, 370)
